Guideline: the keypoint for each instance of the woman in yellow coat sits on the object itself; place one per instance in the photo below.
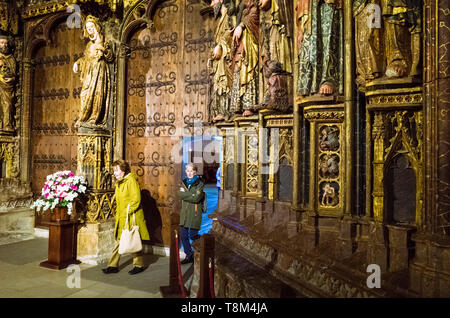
(127, 192)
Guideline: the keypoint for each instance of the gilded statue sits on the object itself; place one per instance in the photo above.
(387, 38)
(276, 52)
(8, 74)
(244, 93)
(368, 41)
(403, 20)
(321, 48)
(95, 77)
(221, 60)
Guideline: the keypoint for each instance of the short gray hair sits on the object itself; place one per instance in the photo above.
(192, 166)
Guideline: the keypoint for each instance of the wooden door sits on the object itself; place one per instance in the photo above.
(55, 106)
(167, 89)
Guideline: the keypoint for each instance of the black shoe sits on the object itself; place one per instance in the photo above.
(110, 270)
(136, 270)
(187, 260)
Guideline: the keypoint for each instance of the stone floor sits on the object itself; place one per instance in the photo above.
(21, 275)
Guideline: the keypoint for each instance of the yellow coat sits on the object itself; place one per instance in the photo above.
(128, 192)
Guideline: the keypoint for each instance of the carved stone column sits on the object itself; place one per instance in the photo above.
(227, 168)
(395, 128)
(95, 236)
(327, 173)
(16, 217)
(430, 275)
(247, 159)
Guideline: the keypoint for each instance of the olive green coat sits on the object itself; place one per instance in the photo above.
(128, 192)
(192, 204)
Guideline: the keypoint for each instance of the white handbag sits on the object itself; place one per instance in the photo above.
(130, 240)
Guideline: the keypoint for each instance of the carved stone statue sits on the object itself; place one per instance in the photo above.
(8, 73)
(221, 60)
(277, 88)
(402, 36)
(276, 52)
(368, 40)
(321, 52)
(387, 38)
(94, 75)
(244, 95)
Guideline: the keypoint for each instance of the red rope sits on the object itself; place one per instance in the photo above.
(180, 278)
(211, 281)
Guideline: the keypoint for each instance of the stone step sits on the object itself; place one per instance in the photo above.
(236, 277)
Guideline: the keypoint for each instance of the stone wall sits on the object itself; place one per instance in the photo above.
(16, 218)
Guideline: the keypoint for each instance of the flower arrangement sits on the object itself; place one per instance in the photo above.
(60, 189)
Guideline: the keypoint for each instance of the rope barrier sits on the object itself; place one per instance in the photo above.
(211, 280)
(180, 277)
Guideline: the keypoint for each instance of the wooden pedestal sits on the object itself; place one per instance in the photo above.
(62, 244)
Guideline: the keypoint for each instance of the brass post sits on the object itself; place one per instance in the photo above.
(260, 153)
(25, 148)
(244, 166)
(236, 163)
(223, 160)
(118, 127)
(313, 188)
(368, 166)
(349, 104)
(296, 132)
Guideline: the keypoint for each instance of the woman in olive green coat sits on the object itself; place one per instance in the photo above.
(192, 196)
(127, 193)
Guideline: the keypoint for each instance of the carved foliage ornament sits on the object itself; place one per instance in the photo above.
(324, 115)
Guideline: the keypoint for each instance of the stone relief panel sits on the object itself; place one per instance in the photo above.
(329, 160)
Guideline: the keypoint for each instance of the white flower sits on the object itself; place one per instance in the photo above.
(61, 188)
